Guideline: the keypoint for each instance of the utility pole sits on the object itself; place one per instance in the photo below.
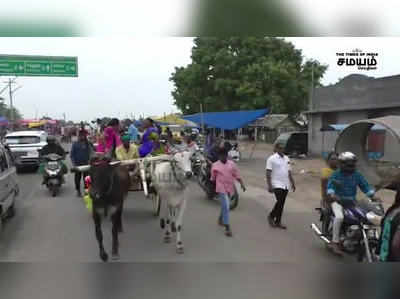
(9, 83)
(11, 103)
(312, 88)
(310, 123)
(202, 118)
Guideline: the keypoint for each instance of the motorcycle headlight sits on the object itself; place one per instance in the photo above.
(374, 219)
(51, 172)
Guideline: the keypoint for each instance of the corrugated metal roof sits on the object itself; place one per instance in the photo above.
(270, 121)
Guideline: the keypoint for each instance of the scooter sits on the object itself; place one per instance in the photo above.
(53, 176)
(360, 230)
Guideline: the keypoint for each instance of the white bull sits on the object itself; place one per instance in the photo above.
(170, 179)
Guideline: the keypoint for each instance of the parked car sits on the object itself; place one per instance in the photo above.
(25, 146)
(9, 189)
(295, 143)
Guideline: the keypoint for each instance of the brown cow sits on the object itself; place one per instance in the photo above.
(109, 187)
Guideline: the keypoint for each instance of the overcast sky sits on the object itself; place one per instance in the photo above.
(120, 76)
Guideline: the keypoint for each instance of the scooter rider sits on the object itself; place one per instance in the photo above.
(53, 147)
(343, 184)
(212, 155)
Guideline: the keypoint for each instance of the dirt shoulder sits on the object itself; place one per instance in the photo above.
(306, 173)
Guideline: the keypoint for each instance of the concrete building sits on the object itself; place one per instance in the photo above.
(355, 97)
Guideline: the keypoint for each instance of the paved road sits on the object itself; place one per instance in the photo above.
(60, 230)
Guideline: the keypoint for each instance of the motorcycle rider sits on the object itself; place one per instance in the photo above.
(52, 147)
(343, 184)
(326, 172)
(212, 154)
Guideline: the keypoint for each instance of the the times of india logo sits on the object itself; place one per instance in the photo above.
(364, 61)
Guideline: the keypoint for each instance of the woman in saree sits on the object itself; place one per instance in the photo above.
(150, 141)
(112, 137)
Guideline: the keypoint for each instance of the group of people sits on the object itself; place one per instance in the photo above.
(121, 144)
(339, 181)
(127, 146)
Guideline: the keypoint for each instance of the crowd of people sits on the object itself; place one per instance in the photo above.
(118, 142)
(340, 179)
(131, 142)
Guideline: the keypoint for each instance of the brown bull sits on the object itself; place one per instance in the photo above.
(109, 187)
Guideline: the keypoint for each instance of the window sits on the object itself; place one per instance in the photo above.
(22, 139)
(329, 118)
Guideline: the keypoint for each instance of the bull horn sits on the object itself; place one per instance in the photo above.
(115, 163)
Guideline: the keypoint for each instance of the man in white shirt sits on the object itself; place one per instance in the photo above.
(279, 180)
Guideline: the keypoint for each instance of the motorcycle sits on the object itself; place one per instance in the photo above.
(196, 160)
(209, 187)
(53, 176)
(360, 229)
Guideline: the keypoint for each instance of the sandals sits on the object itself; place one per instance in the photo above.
(228, 233)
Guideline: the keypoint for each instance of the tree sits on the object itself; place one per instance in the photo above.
(242, 73)
(6, 111)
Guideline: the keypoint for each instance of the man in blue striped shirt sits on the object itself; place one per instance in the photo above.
(133, 133)
(343, 185)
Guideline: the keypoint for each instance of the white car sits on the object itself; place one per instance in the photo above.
(25, 146)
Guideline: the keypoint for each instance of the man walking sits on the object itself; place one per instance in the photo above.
(80, 155)
(279, 180)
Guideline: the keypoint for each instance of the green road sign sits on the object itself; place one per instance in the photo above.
(47, 66)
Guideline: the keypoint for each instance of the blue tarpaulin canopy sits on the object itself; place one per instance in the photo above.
(227, 120)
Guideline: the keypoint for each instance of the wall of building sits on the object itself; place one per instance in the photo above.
(325, 141)
(348, 117)
(314, 134)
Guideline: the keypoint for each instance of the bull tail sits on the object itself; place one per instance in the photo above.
(105, 211)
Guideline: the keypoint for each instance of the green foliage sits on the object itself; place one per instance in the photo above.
(6, 111)
(241, 73)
